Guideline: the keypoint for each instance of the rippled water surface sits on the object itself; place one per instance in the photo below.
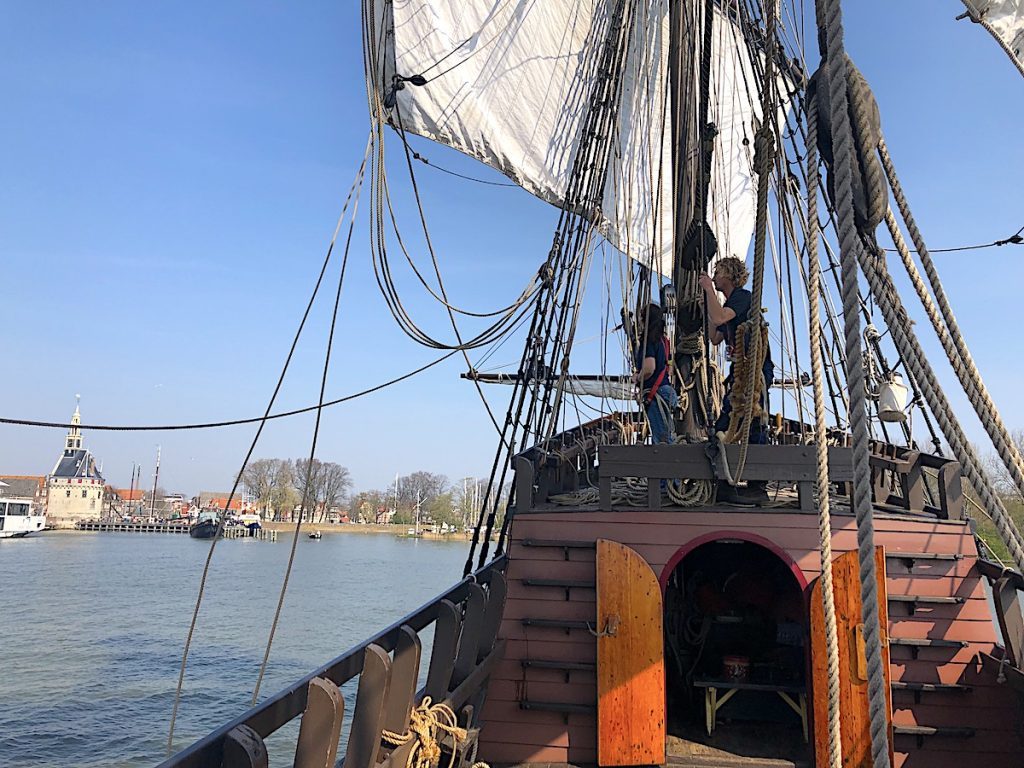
(92, 628)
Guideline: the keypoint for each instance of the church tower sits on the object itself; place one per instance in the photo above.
(74, 438)
(75, 487)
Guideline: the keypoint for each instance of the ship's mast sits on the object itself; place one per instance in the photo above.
(693, 241)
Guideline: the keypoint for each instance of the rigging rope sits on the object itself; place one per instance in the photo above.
(352, 194)
(234, 422)
(835, 747)
(835, 64)
(949, 334)
(312, 458)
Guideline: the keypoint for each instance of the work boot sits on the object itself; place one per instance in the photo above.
(756, 492)
(729, 494)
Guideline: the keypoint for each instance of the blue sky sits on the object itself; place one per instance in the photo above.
(172, 173)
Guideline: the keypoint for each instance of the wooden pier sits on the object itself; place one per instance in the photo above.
(100, 527)
(239, 532)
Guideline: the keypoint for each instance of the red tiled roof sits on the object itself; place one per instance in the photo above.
(127, 494)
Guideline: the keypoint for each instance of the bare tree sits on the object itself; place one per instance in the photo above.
(997, 470)
(335, 483)
(270, 482)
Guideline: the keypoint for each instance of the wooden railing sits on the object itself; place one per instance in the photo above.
(465, 622)
(595, 454)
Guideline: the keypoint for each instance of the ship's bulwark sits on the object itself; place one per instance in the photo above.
(541, 704)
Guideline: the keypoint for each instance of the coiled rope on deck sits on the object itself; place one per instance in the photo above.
(428, 724)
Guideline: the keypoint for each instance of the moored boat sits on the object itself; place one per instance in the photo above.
(207, 526)
(19, 518)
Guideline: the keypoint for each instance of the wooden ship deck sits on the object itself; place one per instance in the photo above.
(515, 645)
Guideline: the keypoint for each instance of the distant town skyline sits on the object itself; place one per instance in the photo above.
(172, 179)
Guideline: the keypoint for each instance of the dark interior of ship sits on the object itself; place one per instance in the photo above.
(734, 614)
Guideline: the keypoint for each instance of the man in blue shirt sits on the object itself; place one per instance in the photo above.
(723, 321)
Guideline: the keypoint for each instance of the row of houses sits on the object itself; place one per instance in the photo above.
(76, 490)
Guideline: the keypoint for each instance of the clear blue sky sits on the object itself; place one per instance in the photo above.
(171, 176)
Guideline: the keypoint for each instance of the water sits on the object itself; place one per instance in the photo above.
(92, 628)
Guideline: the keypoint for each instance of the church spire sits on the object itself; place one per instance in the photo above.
(74, 438)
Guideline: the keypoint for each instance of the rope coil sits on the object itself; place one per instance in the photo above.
(429, 723)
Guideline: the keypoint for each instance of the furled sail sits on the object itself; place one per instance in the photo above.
(1004, 19)
(508, 82)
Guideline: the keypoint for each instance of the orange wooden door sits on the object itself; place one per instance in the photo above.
(853, 685)
(630, 659)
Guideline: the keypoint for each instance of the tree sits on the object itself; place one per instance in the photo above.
(320, 485)
(335, 483)
(270, 481)
(1001, 479)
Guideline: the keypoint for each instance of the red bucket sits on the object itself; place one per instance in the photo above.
(736, 668)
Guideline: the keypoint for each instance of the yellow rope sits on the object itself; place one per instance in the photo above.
(742, 381)
(428, 723)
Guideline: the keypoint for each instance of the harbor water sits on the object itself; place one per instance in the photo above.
(93, 626)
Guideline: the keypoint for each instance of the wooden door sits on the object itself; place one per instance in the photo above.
(630, 659)
(853, 685)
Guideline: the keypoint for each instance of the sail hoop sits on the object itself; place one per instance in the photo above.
(508, 83)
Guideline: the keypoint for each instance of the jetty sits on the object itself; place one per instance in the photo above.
(263, 534)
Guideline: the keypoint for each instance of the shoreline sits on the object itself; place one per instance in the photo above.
(363, 529)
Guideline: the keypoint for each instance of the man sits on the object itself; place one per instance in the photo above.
(723, 320)
(653, 374)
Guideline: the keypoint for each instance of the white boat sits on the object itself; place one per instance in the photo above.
(18, 517)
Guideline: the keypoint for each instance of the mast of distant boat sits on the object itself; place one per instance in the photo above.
(156, 476)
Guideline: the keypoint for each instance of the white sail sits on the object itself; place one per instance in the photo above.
(1004, 19)
(508, 82)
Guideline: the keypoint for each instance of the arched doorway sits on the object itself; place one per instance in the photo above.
(736, 650)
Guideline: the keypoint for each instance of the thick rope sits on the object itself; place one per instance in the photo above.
(428, 724)
(850, 251)
(835, 744)
(913, 355)
(952, 341)
(764, 159)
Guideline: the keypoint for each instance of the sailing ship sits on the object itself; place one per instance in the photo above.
(628, 614)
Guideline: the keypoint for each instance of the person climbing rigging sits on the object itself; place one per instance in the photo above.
(723, 321)
(653, 357)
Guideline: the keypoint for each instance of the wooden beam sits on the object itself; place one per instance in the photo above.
(792, 463)
(368, 718)
(320, 728)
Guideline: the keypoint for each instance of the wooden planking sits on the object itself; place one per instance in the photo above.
(853, 687)
(976, 630)
(579, 648)
(555, 734)
(502, 711)
(630, 659)
(952, 759)
(320, 727)
(535, 690)
(992, 718)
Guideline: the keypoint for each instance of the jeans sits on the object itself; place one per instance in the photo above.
(661, 424)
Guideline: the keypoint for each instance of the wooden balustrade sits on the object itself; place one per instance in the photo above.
(465, 620)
